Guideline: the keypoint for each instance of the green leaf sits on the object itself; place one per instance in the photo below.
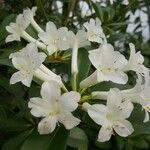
(128, 145)
(6, 62)
(84, 64)
(59, 141)
(36, 142)
(140, 143)
(15, 142)
(18, 91)
(120, 142)
(13, 124)
(78, 139)
(99, 11)
(3, 115)
(54, 141)
(104, 145)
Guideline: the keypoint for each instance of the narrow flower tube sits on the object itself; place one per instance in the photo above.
(45, 77)
(47, 71)
(28, 38)
(74, 63)
(52, 74)
(99, 95)
(36, 26)
(89, 81)
(132, 94)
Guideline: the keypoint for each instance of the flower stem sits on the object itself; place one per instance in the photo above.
(85, 98)
(64, 88)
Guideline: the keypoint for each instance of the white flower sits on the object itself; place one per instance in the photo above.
(94, 1)
(108, 64)
(135, 62)
(27, 61)
(16, 29)
(54, 107)
(94, 31)
(80, 38)
(113, 116)
(29, 17)
(55, 39)
(139, 94)
(29, 13)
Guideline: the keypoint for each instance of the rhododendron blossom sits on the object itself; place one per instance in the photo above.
(54, 107)
(113, 116)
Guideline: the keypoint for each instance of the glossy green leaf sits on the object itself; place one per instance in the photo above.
(54, 141)
(83, 64)
(78, 139)
(15, 142)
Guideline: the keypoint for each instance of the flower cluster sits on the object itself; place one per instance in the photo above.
(57, 104)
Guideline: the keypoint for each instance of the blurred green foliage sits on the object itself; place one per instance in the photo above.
(18, 129)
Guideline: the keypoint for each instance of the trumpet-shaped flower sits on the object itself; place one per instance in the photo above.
(113, 116)
(139, 94)
(55, 39)
(27, 61)
(94, 31)
(16, 29)
(54, 107)
(109, 65)
(135, 62)
(29, 13)
(29, 17)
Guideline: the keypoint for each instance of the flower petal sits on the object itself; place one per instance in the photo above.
(50, 27)
(105, 134)
(126, 108)
(114, 98)
(94, 57)
(70, 100)
(24, 78)
(124, 128)
(50, 91)
(68, 120)
(98, 113)
(47, 125)
(39, 107)
(12, 37)
(118, 77)
(63, 43)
